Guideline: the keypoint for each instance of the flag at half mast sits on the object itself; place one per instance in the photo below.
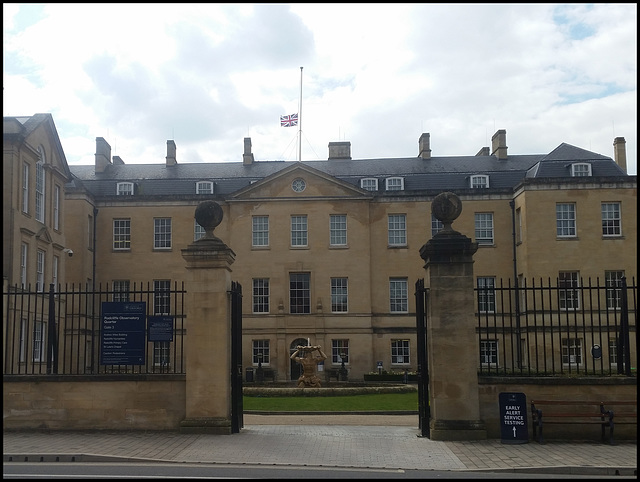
(289, 120)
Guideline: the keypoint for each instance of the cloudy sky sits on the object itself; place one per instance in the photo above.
(377, 75)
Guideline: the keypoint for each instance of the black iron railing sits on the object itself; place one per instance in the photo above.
(562, 329)
(60, 331)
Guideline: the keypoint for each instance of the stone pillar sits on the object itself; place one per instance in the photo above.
(452, 346)
(208, 336)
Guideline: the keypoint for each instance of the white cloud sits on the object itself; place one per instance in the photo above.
(378, 75)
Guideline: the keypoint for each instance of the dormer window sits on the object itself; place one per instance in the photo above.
(479, 182)
(581, 169)
(125, 189)
(204, 187)
(395, 184)
(370, 184)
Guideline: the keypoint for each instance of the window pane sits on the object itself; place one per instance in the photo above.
(613, 281)
(369, 184)
(339, 351)
(260, 231)
(204, 187)
(486, 294)
(121, 234)
(260, 347)
(398, 298)
(489, 352)
(338, 294)
(261, 295)
(40, 186)
(338, 230)
(397, 230)
(479, 181)
(566, 219)
(611, 219)
(400, 352)
(572, 351)
(161, 297)
(299, 293)
(198, 231)
(298, 230)
(484, 228)
(569, 294)
(162, 233)
(436, 225)
(121, 290)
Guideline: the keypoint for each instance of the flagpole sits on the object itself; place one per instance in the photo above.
(300, 121)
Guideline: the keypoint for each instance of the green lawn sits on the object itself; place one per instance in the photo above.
(349, 403)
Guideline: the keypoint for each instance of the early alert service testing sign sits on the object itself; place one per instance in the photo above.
(513, 418)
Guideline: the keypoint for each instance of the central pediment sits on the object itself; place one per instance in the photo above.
(299, 182)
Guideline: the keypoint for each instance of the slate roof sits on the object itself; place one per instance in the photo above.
(437, 173)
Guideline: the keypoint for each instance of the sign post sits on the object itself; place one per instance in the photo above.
(513, 418)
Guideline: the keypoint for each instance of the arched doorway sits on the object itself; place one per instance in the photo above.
(295, 369)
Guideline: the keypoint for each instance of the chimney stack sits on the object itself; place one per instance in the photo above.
(103, 154)
(499, 144)
(247, 157)
(424, 146)
(620, 152)
(340, 150)
(171, 153)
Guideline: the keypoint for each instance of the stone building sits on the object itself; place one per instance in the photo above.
(327, 252)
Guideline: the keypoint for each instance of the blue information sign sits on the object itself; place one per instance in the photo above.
(160, 328)
(122, 333)
(513, 418)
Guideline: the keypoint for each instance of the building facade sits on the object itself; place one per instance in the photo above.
(35, 173)
(327, 252)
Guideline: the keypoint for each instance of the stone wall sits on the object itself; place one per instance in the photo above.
(160, 404)
(93, 405)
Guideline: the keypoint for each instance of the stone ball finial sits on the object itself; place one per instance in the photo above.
(208, 215)
(446, 207)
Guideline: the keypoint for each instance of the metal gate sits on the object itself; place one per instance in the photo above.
(424, 410)
(237, 421)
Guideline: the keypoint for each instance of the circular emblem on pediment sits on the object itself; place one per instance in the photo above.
(298, 185)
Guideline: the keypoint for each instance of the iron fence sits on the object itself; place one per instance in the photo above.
(574, 328)
(61, 331)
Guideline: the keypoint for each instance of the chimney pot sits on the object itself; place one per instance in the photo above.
(247, 157)
(620, 152)
(340, 150)
(424, 146)
(499, 144)
(171, 153)
(103, 154)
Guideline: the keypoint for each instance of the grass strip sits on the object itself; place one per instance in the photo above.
(349, 403)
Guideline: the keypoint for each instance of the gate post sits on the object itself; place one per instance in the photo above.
(208, 337)
(452, 344)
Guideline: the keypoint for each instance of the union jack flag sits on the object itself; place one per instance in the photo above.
(289, 120)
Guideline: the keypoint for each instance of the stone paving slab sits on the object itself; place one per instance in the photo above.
(376, 441)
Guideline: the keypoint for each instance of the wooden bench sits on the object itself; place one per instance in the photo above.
(570, 412)
(625, 411)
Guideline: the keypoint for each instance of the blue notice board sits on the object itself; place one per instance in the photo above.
(513, 418)
(160, 328)
(122, 333)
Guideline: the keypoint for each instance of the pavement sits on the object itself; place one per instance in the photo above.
(388, 441)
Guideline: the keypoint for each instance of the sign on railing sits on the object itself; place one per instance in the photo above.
(122, 337)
